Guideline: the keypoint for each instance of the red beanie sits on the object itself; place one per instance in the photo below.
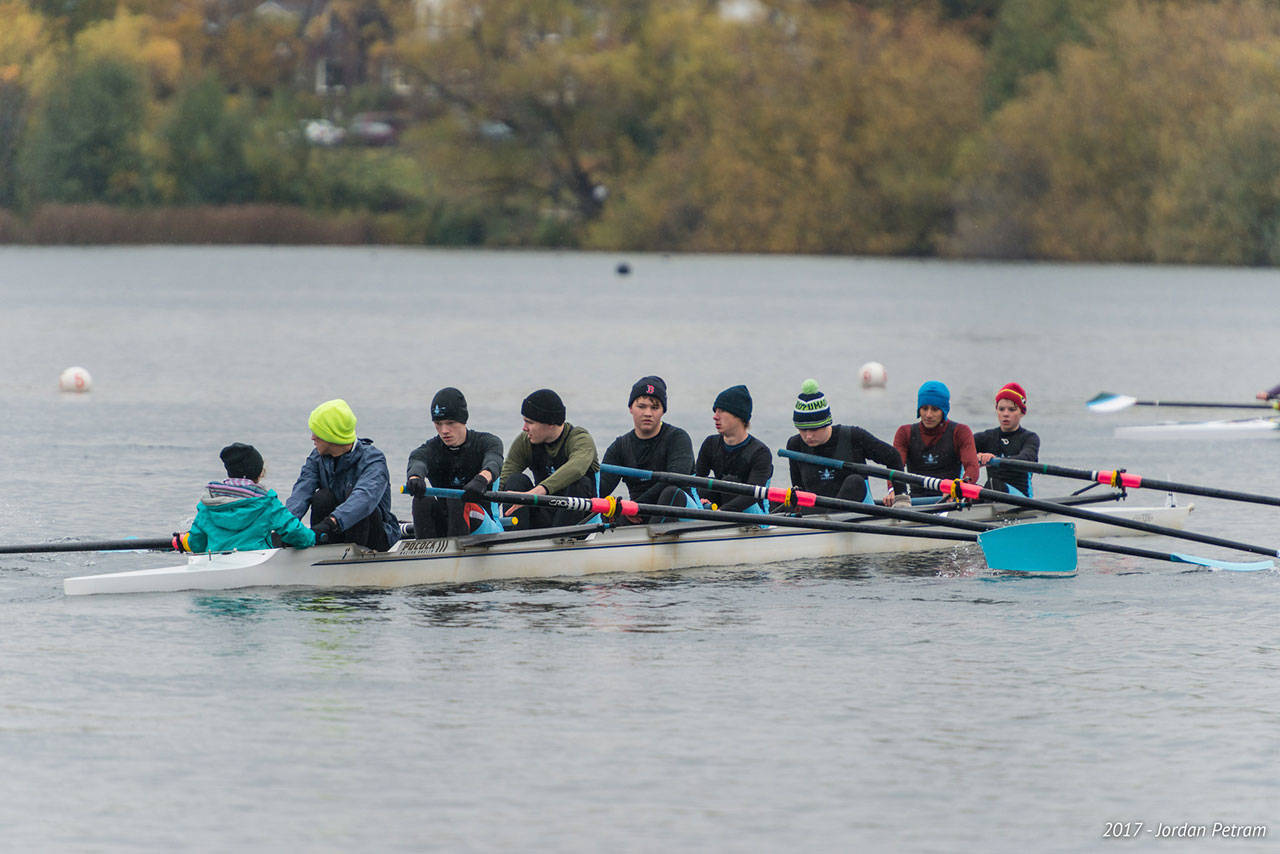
(1014, 392)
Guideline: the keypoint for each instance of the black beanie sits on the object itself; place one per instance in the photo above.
(543, 406)
(735, 400)
(649, 387)
(449, 405)
(242, 460)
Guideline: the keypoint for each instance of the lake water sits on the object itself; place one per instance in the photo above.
(912, 703)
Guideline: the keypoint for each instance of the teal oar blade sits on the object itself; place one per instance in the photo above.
(1213, 563)
(1107, 402)
(1037, 547)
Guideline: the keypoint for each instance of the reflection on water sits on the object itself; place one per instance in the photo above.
(358, 604)
(657, 602)
(232, 607)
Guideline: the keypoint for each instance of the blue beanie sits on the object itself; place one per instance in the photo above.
(934, 393)
(735, 400)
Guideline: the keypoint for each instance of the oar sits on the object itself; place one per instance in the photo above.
(1133, 481)
(1014, 547)
(1107, 402)
(611, 507)
(1057, 556)
(792, 497)
(959, 489)
(155, 545)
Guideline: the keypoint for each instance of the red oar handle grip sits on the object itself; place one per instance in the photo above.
(957, 489)
(1119, 478)
(788, 497)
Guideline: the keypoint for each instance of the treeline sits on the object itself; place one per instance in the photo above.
(1061, 129)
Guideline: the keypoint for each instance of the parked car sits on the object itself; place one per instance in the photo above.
(373, 129)
(323, 132)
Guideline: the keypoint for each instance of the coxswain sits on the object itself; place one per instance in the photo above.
(345, 483)
(560, 457)
(732, 453)
(455, 458)
(238, 514)
(816, 434)
(652, 445)
(935, 446)
(1009, 441)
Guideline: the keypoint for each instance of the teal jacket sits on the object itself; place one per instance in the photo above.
(238, 514)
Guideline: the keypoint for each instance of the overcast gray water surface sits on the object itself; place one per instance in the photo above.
(916, 703)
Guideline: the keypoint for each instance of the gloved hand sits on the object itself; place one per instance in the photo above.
(471, 489)
(326, 530)
(901, 499)
(416, 486)
(179, 542)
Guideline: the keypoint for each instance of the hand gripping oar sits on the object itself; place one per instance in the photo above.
(1107, 402)
(155, 545)
(959, 489)
(1034, 543)
(522, 536)
(1133, 481)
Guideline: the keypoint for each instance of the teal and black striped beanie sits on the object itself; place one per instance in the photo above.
(812, 410)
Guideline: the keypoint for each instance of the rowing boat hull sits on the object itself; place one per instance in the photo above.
(634, 549)
(1242, 428)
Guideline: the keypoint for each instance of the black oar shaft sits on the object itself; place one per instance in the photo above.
(894, 512)
(754, 519)
(1021, 501)
(781, 496)
(765, 519)
(1119, 478)
(165, 544)
(1132, 551)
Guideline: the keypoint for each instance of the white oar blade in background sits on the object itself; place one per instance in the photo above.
(1039, 548)
(1213, 563)
(1106, 402)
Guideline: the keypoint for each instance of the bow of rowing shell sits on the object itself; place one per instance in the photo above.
(630, 549)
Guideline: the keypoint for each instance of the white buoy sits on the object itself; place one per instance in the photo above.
(75, 379)
(873, 375)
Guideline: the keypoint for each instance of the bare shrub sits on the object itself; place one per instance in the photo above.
(94, 224)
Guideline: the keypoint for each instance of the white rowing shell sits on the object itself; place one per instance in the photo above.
(1236, 428)
(633, 549)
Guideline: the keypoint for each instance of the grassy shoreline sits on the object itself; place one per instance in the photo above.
(97, 224)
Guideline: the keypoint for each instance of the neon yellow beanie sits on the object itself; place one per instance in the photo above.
(334, 422)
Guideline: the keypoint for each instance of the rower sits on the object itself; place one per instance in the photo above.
(732, 453)
(560, 457)
(1010, 441)
(345, 483)
(1269, 394)
(455, 458)
(817, 435)
(934, 446)
(236, 513)
(652, 445)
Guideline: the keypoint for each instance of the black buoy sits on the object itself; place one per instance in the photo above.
(623, 268)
